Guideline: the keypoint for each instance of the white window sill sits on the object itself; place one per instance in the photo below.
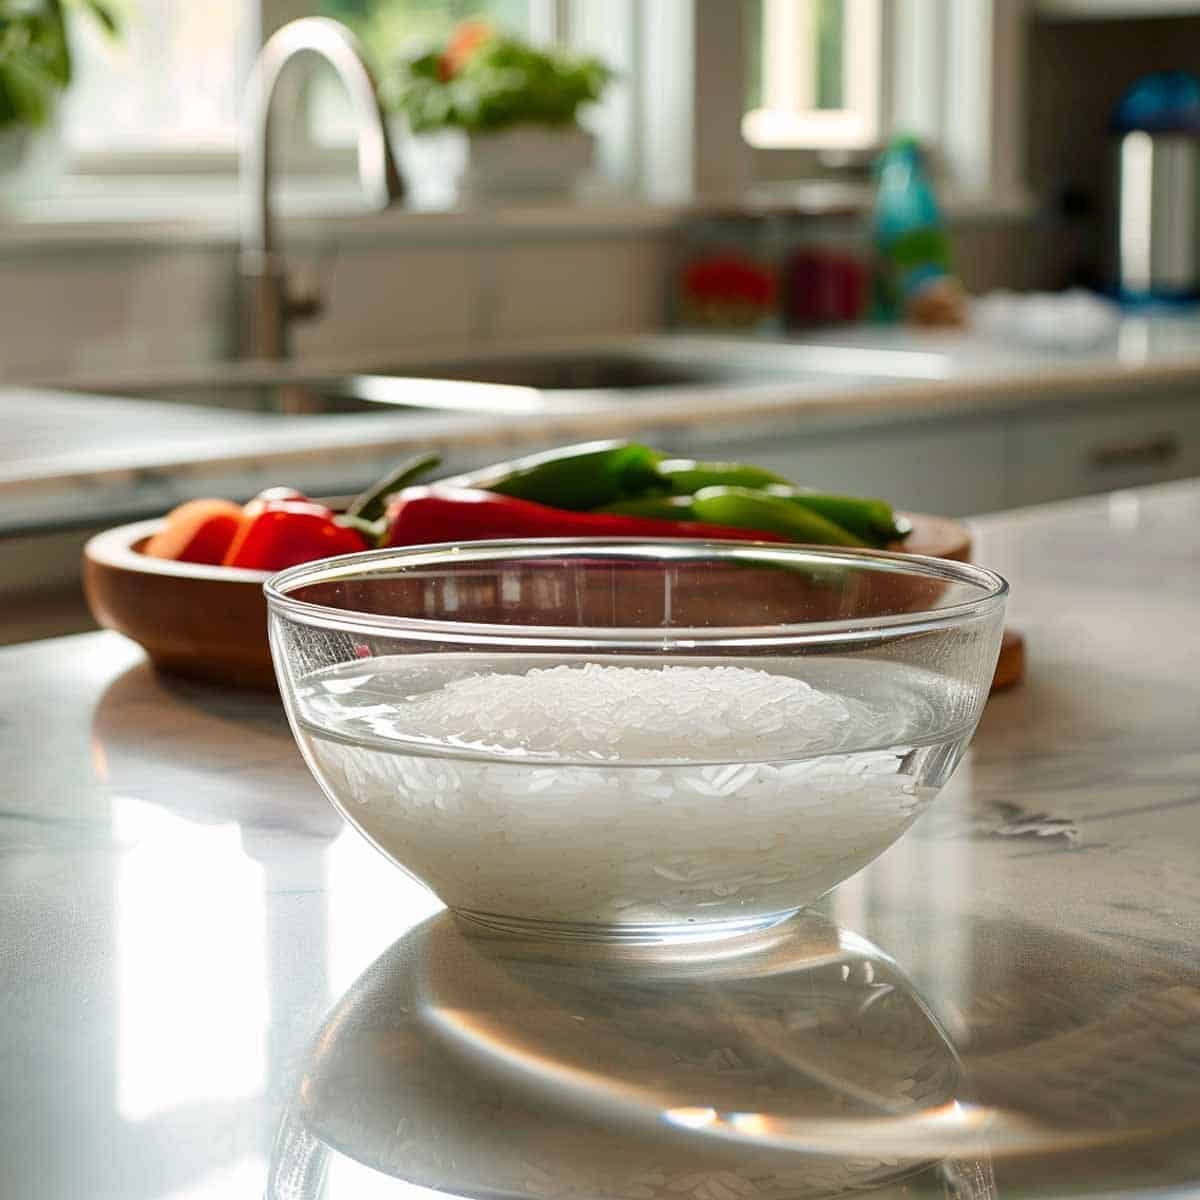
(829, 196)
(111, 210)
(129, 211)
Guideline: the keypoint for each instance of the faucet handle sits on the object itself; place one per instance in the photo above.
(303, 304)
(269, 302)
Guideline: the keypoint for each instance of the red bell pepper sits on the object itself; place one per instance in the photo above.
(420, 515)
(199, 531)
(278, 533)
(269, 495)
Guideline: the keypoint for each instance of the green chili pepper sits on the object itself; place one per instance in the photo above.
(873, 520)
(369, 505)
(581, 477)
(747, 508)
(686, 476)
(665, 508)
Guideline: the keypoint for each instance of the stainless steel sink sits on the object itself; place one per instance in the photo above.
(611, 370)
(535, 382)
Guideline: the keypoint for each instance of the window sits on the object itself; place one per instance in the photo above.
(696, 83)
(814, 73)
(172, 82)
(169, 90)
(841, 75)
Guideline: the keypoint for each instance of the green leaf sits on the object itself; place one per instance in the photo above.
(105, 15)
(30, 88)
(35, 53)
(504, 82)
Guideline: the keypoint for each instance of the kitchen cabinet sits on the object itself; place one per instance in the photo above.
(1125, 444)
(1103, 10)
(957, 467)
(950, 468)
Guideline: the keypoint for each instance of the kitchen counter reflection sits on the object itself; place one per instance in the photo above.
(184, 915)
(799, 1062)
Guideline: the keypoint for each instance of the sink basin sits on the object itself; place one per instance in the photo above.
(533, 382)
(607, 370)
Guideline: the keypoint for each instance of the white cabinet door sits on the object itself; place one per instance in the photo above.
(951, 470)
(1108, 10)
(1096, 450)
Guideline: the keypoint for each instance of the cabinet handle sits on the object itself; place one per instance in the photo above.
(1145, 452)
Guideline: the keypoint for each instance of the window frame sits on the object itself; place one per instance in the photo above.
(930, 51)
(789, 118)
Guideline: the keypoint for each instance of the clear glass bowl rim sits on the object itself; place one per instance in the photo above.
(993, 588)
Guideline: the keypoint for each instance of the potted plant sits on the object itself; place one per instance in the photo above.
(494, 111)
(35, 69)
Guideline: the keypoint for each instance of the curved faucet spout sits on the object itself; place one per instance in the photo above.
(265, 333)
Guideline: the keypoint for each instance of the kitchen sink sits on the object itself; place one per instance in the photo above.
(596, 370)
(536, 382)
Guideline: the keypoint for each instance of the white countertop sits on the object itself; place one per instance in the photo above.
(65, 454)
(182, 909)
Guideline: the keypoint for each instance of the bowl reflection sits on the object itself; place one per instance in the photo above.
(479, 1065)
(204, 753)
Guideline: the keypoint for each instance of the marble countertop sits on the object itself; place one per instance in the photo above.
(120, 458)
(183, 915)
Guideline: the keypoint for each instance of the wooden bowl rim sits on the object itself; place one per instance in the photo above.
(117, 548)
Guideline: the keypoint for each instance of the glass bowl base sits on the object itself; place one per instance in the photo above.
(625, 933)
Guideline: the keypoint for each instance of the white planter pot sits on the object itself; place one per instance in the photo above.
(30, 162)
(525, 161)
(15, 141)
(528, 161)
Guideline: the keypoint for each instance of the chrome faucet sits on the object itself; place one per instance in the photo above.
(268, 306)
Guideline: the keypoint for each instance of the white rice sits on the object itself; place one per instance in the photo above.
(611, 839)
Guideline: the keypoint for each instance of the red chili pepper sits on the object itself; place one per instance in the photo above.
(420, 515)
(282, 533)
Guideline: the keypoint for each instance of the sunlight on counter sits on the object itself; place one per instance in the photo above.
(190, 961)
(370, 904)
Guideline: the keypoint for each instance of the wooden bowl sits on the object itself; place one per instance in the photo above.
(203, 622)
(210, 623)
(937, 537)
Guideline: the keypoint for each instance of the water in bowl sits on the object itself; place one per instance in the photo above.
(631, 800)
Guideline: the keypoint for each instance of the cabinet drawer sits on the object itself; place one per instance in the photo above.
(952, 471)
(1080, 453)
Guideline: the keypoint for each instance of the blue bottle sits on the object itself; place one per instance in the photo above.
(912, 250)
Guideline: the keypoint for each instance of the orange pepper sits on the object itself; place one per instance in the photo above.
(199, 531)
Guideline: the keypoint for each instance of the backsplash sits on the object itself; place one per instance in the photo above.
(98, 309)
(136, 307)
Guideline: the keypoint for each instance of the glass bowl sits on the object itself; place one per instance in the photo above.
(633, 740)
